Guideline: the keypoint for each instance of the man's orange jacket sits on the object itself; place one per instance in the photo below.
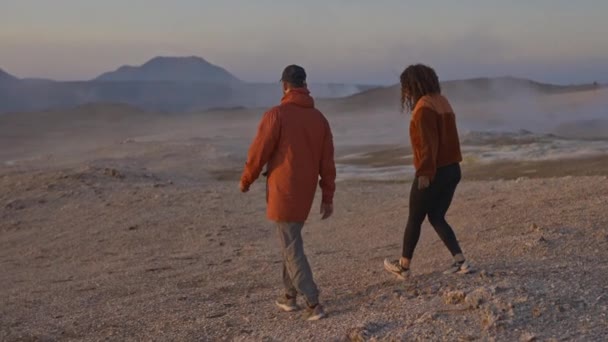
(295, 141)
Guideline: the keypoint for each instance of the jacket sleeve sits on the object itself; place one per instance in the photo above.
(426, 124)
(262, 148)
(327, 168)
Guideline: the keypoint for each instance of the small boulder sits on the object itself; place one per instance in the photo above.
(454, 297)
(478, 297)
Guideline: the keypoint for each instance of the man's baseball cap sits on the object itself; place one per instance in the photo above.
(294, 74)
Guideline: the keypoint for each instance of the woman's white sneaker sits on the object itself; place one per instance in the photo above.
(460, 268)
(394, 267)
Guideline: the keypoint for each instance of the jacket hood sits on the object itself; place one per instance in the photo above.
(299, 97)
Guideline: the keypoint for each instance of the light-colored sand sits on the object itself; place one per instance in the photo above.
(95, 254)
(117, 224)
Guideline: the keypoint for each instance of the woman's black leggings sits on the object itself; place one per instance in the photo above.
(433, 201)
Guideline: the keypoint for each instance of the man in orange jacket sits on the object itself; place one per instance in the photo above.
(295, 141)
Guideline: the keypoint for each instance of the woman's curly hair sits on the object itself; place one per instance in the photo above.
(417, 81)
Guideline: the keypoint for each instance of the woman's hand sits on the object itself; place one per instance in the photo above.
(423, 182)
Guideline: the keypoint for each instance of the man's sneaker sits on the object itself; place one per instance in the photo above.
(395, 268)
(314, 314)
(287, 304)
(460, 268)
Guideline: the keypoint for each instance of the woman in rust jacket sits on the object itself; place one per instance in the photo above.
(437, 158)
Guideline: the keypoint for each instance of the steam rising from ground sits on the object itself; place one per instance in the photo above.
(510, 123)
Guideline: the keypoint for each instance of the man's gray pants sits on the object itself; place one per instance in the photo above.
(297, 275)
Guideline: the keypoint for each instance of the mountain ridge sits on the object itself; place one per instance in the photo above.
(177, 84)
(5, 77)
(173, 69)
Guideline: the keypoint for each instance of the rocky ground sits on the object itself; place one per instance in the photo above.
(94, 253)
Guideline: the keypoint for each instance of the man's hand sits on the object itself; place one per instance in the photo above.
(326, 210)
(423, 182)
(244, 188)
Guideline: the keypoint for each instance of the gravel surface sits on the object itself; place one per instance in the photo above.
(92, 253)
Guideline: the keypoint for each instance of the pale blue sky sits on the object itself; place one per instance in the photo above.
(338, 41)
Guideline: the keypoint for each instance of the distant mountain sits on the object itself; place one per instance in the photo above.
(172, 69)
(476, 89)
(186, 84)
(7, 78)
(39, 80)
(505, 87)
(167, 84)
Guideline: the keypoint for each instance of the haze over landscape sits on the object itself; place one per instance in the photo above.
(124, 129)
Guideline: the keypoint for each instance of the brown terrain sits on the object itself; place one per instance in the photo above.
(123, 225)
